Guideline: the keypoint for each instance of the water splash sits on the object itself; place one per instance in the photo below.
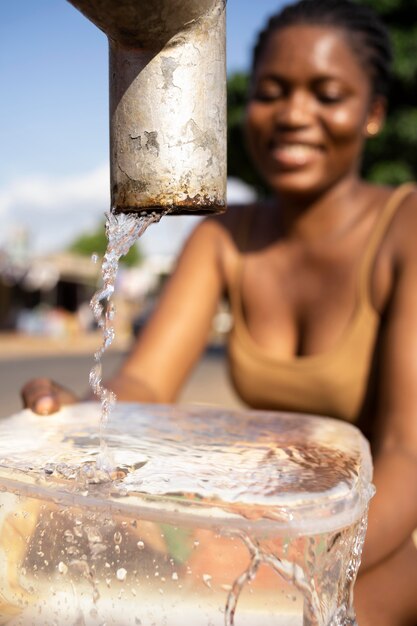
(313, 571)
(345, 614)
(289, 570)
(122, 231)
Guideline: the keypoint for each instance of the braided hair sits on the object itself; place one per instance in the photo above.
(367, 34)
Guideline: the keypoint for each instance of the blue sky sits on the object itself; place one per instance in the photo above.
(54, 114)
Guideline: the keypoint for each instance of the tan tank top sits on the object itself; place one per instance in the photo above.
(331, 383)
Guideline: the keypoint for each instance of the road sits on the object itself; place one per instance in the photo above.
(208, 384)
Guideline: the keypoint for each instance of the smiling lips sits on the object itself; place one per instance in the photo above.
(294, 155)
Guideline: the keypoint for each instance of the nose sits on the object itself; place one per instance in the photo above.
(295, 111)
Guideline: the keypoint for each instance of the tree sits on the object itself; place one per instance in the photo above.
(238, 161)
(96, 242)
(390, 158)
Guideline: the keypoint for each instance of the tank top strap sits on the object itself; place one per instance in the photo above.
(382, 224)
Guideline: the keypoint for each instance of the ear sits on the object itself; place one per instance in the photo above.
(376, 116)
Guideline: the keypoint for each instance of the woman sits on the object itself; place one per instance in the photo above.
(321, 279)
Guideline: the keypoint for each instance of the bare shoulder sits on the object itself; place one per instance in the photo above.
(223, 233)
(225, 228)
(214, 241)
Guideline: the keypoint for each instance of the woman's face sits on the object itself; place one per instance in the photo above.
(308, 111)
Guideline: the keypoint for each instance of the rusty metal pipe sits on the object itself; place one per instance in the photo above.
(167, 102)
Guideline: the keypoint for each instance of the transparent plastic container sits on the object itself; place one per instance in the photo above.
(202, 516)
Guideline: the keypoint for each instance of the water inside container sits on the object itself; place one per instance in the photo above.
(227, 517)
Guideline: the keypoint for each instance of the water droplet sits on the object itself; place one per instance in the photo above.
(93, 534)
(140, 545)
(111, 312)
(121, 574)
(117, 537)
(62, 568)
(207, 580)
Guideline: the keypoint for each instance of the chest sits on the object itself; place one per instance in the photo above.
(297, 300)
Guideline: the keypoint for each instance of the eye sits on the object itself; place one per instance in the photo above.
(267, 91)
(331, 98)
(330, 92)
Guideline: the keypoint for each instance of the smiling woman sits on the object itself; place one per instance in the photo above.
(320, 278)
(310, 106)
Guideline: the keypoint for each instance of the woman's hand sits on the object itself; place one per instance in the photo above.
(44, 396)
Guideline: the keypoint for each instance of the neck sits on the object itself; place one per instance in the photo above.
(322, 215)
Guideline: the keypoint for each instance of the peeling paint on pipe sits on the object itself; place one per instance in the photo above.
(167, 102)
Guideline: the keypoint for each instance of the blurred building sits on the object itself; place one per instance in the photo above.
(43, 295)
(49, 295)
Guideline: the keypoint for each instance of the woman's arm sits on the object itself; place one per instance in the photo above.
(393, 510)
(177, 332)
(174, 337)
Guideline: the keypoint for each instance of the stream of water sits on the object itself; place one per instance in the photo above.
(122, 231)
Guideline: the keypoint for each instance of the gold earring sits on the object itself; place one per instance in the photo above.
(372, 128)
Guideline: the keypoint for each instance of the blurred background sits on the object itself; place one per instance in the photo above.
(54, 186)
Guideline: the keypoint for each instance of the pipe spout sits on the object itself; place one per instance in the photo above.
(167, 103)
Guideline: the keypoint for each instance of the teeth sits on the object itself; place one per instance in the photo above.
(297, 154)
(295, 149)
